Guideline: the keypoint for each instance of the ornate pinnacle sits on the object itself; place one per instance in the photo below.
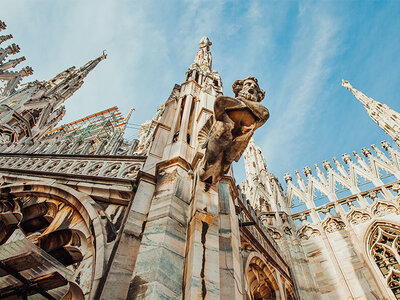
(360, 160)
(380, 154)
(386, 145)
(26, 71)
(317, 168)
(366, 152)
(203, 56)
(4, 38)
(12, 49)
(2, 25)
(340, 167)
(104, 56)
(327, 165)
(384, 116)
(346, 158)
(287, 177)
(300, 181)
(359, 95)
(356, 155)
(307, 171)
(347, 85)
(11, 63)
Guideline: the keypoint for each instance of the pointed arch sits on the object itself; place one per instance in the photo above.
(61, 221)
(260, 280)
(382, 245)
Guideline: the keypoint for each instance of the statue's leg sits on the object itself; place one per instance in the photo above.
(217, 145)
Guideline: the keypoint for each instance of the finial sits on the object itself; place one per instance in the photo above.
(366, 152)
(4, 38)
(346, 84)
(287, 177)
(356, 155)
(339, 167)
(380, 154)
(205, 42)
(26, 71)
(307, 171)
(346, 158)
(300, 181)
(2, 25)
(386, 145)
(12, 49)
(203, 56)
(327, 165)
(104, 56)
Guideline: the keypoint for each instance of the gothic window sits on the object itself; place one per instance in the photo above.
(384, 247)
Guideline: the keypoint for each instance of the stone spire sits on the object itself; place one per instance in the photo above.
(203, 57)
(65, 84)
(10, 78)
(200, 71)
(383, 115)
(257, 181)
(35, 109)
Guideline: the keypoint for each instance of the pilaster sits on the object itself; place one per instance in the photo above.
(159, 268)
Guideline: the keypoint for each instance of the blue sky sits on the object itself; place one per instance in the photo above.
(299, 51)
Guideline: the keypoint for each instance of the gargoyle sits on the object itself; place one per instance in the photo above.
(226, 134)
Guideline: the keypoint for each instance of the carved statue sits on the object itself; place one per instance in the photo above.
(226, 134)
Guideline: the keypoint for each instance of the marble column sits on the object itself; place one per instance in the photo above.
(159, 268)
(231, 285)
(202, 280)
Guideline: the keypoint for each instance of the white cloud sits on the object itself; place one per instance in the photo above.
(315, 42)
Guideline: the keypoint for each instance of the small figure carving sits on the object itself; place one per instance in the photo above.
(226, 134)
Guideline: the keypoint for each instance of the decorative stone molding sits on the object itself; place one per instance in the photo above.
(307, 231)
(333, 224)
(84, 165)
(357, 216)
(274, 232)
(381, 208)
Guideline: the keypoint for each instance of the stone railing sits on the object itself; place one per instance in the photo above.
(349, 211)
(109, 167)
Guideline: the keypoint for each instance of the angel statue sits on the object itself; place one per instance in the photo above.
(226, 133)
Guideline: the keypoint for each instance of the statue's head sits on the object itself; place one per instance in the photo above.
(205, 43)
(248, 89)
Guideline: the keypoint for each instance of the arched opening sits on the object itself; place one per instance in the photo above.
(260, 280)
(58, 222)
(383, 246)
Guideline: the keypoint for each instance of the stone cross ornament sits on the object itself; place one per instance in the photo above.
(226, 134)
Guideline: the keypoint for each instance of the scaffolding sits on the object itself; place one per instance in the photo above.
(97, 127)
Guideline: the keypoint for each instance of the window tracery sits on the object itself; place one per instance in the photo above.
(384, 247)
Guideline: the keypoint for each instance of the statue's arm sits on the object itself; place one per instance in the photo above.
(222, 103)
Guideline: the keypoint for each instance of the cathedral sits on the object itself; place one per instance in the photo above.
(87, 214)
